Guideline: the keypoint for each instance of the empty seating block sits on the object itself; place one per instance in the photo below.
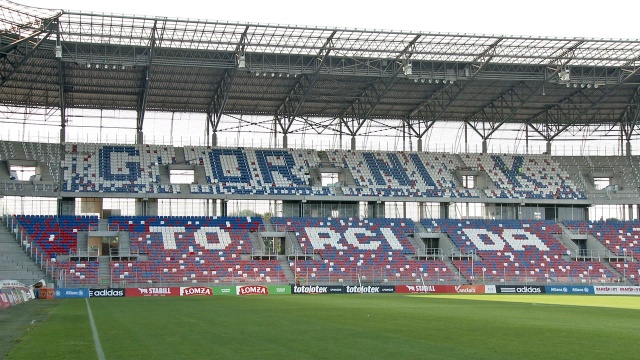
(524, 176)
(629, 270)
(351, 248)
(621, 237)
(116, 168)
(412, 174)
(193, 249)
(256, 171)
(56, 234)
(75, 273)
(511, 250)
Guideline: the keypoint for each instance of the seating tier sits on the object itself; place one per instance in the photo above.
(116, 168)
(352, 248)
(622, 238)
(524, 176)
(410, 174)
(514, 249)
(256, 171)
(193, 249)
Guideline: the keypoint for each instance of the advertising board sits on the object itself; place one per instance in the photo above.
(196, 291)
(109, 292)
(369, 289)
(421, 289)
(152, 291)
(617, 290)
(71, 293)
(520, 289)
(440, 289)
(252, 290)
(279, 290)
(224, 290)
(570, 290)
(316, 289)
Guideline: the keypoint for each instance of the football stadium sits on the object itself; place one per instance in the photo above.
(178, 188)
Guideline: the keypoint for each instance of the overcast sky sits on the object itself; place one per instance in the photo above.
(587, 18)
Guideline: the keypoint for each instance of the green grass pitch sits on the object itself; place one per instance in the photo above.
(341, 327)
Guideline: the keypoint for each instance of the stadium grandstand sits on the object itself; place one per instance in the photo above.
(142, 150)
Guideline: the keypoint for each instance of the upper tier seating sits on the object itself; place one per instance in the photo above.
(621, 237)
(47, 154)
(369, 248)
(256, 171)
(193, 249)
(116, 168)
(524, 176)
(412, 174)
(514, 249)
(56, 235)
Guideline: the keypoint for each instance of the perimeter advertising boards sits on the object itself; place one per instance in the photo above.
(224, 290)
(617, 290)
(440, 289)
(152, 291)
(316, 289)
(279, 290)
(68, 293)
(520, 289)
(109, 292)
(196, 291)
(368, 289)
(571, 290)
(252, 290)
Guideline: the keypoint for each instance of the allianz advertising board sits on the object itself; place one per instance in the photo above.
(68, 293)
(571, 290)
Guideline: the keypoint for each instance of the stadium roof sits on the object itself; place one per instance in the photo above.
(323, 76)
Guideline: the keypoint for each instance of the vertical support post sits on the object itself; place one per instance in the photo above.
(284, 141)
(466, 138)
(484, 146)
(353, 142)
(444, 210)
(419, 144)
(628, 148)
(548, 147)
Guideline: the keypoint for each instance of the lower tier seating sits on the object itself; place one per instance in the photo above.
(351, 248)
(514, 250)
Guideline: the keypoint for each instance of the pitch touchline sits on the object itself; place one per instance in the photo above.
(94, 330)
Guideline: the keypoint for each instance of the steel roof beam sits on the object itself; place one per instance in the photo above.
(629, 119)
(221, 95)
(593, 105)
(142, 102)
(379, 44)
(484, 57)
(366, 102)
(61, 91)
(525, 100)
(292, 104)
(15, 66)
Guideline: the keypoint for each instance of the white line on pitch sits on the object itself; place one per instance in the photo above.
(94, 330)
